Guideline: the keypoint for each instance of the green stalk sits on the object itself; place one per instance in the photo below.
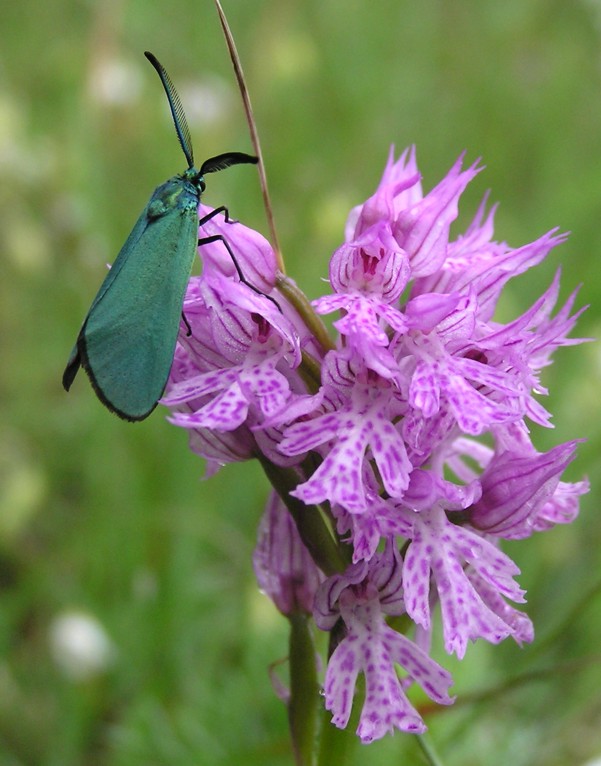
(304, 697)
(304, 309)
(330, 556)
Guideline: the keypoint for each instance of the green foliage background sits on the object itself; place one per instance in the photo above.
(108, 518)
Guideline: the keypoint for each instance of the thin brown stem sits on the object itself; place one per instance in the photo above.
(254, 135)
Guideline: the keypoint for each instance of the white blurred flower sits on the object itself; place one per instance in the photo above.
(115, 82)
(208, 101)
(80, 646)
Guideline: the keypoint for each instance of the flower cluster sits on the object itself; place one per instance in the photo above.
(409, 432)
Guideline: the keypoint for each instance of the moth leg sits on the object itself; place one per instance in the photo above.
(221, 238)
(226, 244)
(222, 209)
(188, 328)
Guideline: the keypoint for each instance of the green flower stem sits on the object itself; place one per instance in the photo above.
(310, 372)
(304, 696)
(302, 305)
(334, 744)
(427, 748)
(331, 557)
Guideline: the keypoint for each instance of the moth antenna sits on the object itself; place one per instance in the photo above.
(177, 110)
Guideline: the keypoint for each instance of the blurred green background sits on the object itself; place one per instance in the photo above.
(109, 520)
